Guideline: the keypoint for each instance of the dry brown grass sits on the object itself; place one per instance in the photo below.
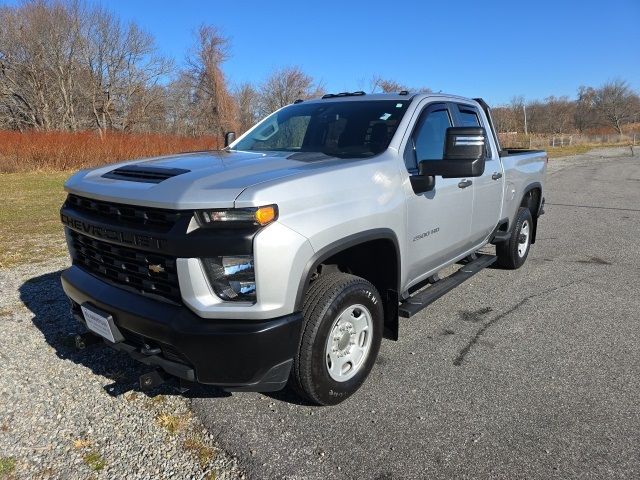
(203, 452)
(30, 228)
(568, 150)
(172, 423)
(29, 151)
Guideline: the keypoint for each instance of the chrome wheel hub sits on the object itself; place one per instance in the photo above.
(523, 239)
(348, 343)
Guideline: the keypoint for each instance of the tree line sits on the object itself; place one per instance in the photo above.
(71, 65)
(612, 106)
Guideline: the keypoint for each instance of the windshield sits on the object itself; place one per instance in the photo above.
(342, 129)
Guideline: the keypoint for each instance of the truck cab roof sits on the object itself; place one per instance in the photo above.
(362, 96)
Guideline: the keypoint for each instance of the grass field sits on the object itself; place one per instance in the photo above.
(30, 229)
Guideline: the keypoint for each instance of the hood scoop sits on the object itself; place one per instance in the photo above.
(136, 173)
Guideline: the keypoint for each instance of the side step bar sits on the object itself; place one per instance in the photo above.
(425, 297)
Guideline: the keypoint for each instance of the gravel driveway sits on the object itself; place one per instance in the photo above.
(73, 414)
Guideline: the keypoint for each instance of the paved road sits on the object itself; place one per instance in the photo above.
(526, 374)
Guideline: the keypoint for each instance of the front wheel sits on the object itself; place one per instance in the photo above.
(343, 321)
(513, 253)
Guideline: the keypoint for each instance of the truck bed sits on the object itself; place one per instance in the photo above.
(507, 152)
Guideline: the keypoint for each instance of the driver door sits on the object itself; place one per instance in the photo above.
(438, 221)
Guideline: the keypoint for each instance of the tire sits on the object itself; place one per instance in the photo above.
(513, 253)
(336, 352)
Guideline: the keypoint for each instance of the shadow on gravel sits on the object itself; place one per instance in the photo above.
(43, 295)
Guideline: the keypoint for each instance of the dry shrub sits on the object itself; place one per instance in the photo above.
(22, 152)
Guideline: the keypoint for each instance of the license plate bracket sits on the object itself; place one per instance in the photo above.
(101, 322)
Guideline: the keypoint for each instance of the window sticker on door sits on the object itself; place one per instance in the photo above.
(398, 105)
(385, 116)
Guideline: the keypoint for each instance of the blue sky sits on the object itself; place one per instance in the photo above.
(493, 49)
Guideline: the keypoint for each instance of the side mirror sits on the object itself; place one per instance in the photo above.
(422, 183)
(464, 154)
(229, 138)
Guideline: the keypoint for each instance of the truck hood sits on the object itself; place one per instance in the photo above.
(212, 179)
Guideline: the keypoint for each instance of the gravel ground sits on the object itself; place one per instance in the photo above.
(77, 414)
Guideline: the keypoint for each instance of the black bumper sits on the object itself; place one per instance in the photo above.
(253, 355)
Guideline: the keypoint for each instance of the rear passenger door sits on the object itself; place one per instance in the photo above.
(488, 188)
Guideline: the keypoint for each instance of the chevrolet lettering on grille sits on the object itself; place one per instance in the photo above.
(110, 234)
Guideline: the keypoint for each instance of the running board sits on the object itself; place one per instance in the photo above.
(430, 294)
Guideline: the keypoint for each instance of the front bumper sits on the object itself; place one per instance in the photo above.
(252, 355)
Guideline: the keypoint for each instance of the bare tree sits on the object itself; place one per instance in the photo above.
(216, 108)
(38, 43)
(68, 65)
(285, 86)
(385, 85)
(122, 69)
(505, 119)
(248, 101)
(555, 115)
(180, 106)
(585, 115)
(616, 103)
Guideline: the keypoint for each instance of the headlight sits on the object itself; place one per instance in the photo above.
(232, 278)
(240, 216)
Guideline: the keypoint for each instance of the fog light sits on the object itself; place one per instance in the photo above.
(231, 278)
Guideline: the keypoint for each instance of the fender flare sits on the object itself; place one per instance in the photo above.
(538, 208)
(340, 245)
(533, 186)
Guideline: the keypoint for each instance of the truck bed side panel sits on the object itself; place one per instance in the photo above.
(522, 171)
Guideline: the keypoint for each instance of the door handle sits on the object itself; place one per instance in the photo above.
(465, 183)
(496, 176)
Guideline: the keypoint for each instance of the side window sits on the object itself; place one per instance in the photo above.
(468, 117)
(428, 138)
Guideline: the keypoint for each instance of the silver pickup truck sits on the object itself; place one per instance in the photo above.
(286, 257)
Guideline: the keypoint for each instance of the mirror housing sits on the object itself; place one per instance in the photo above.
(229, 138)
(464, 154)
(422, 183)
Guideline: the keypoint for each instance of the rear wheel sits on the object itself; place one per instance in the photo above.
(513, 253)
(343, 321)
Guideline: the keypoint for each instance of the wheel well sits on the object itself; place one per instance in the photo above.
(531, 200)
(376, 261)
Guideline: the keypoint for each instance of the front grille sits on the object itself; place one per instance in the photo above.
(127, 267)
(138, 216)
